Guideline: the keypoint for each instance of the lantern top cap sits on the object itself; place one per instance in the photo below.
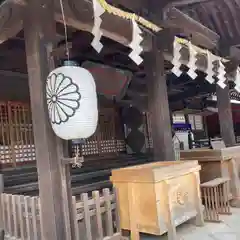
(70, 63)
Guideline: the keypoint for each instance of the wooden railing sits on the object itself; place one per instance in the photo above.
(95, 217)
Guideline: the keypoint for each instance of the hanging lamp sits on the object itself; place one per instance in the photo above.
(72, 101)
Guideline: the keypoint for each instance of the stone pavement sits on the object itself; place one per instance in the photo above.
(229, 229)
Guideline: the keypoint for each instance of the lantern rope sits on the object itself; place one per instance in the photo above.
(129, 16)
(65, 30)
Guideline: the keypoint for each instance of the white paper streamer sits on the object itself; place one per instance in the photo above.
(192, 61)
(210, 73)
(135, 44)
(237, 80)
(176, 58)
(96, 31)
(221, 75)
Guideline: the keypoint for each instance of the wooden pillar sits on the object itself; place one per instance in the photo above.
(190, 140)
(1, 216)
(225, 116)
(158, 104)
(39, 32)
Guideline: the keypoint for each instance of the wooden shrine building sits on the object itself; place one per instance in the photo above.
(32, 37)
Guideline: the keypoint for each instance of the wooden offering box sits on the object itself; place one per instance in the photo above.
(154, 198)
(217, 163)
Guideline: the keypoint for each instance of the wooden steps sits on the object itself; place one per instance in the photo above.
(94, 175)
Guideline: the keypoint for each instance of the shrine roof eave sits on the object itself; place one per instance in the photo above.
(222, 17)
(120, 29)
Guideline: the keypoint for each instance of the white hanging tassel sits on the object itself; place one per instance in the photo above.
(96, 31)
(176, 58)
(210, 73)
(192, 61)
(135, 44)
(221, 75)
(237, 79)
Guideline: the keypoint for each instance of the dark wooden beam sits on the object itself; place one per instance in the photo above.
(11, 19)
(39, 32)
(79, 15)
(181, 3)
(194, 91)
(195, 31)
(13, 74)
(225, 116)
(158, 103)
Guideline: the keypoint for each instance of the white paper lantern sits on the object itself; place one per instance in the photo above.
(72, 102)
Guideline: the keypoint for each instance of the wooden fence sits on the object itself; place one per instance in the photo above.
(95, 217)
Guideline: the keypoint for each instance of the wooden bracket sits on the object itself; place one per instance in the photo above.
(60, 51)
(75, 161)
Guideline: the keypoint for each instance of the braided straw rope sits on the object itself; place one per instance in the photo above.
(126, 15)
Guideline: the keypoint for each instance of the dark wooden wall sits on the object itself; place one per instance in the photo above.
(13, 88)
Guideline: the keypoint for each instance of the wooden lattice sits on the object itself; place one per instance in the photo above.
(16, 133)
(107, 138)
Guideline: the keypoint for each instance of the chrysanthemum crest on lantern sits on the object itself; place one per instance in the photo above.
(72, 102)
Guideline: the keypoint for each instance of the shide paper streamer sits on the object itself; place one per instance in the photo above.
(135, 44)
(237, 80)
(96, 31)
(192, 61)
(176, 58)
(210, 72)
(221, 75)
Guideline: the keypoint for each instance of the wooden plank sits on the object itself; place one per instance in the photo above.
(91, 201)
(87, 216)
(117, 210)
(158, 104)
(39, 37)
(75, 218)
(215, 182)
(133, 211)
(96, 198)
(27, 217)
(92, 212)
(34, 216)
(1, 183)
(40, 218)
(109, 219)
(198, 203)
(225, 116)
(20, 199)
(170, 224)
(9, 221)
(3, 211)
(15, 220)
